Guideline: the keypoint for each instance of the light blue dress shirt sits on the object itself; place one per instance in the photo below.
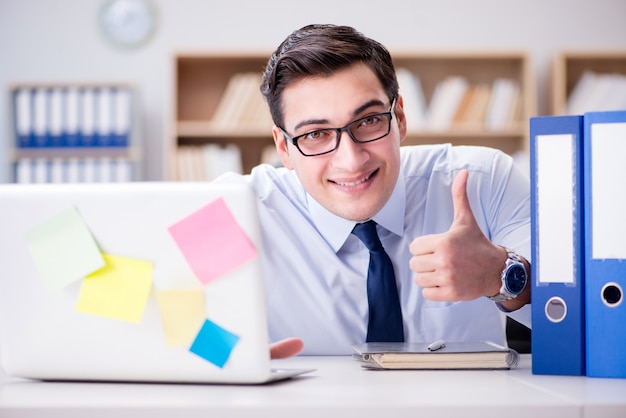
(316, 270)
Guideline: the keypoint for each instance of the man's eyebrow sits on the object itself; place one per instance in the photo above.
(371, 103)
(355, 113)
(310, 122)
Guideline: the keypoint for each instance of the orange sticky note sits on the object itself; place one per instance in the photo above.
(182, 314)
(212, 241)
(119, 290)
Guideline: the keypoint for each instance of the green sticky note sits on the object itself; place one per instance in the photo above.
(63, 249)
(120, 290)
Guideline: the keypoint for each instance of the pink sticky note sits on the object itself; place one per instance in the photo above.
(212, 241)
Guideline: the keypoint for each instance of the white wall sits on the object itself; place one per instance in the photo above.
(59, 41)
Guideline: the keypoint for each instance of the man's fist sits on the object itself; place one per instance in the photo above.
(461, 263)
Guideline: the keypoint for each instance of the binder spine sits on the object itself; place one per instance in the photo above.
(605, 228)
(557, 271)
(23, 105)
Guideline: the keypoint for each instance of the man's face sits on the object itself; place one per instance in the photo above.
(356, 180)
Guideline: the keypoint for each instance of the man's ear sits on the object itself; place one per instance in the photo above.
(400, 117)
(281, 147)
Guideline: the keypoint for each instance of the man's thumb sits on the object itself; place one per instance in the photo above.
(462, 210)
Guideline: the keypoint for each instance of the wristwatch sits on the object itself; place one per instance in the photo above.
(514, 278)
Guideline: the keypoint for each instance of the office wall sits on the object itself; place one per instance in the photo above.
(59, 40)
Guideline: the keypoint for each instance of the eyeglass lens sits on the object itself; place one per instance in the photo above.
(367, 129)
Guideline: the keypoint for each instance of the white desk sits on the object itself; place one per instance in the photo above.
(339, 388)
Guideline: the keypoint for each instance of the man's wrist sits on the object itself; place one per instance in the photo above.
(523, 298)
(513, 282)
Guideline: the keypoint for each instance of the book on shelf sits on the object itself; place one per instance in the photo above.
(597, 92)
(446, 355)
(411, 91)
(207, 162)
(445, 101)
(503, 105)
(472, 115)
(463, 106)
(270, 156)
(241, 107)
(228, 102)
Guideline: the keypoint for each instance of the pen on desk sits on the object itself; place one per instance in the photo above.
(437, 345)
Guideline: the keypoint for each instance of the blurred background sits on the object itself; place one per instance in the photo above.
(61, 42)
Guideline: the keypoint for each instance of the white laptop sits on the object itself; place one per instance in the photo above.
(145, 282)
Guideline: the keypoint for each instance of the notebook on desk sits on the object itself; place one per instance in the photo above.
(151, 282)
(438, 355)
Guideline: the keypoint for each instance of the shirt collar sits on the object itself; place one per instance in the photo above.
(336, 229)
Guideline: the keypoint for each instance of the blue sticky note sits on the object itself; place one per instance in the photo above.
(214, 344)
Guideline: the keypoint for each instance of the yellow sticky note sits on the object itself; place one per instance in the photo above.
(119, 290)
(182, 314)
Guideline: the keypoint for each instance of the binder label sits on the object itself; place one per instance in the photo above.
(555, 197)
(608, 153)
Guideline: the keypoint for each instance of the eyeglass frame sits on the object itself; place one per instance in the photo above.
(294, 139)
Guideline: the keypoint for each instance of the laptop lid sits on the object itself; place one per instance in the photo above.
(151, 281)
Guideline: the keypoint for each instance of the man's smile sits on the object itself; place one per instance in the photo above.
(356, 182)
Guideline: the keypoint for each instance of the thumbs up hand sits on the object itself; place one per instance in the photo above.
(460, 264)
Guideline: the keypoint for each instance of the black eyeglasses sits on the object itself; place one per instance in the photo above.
(323, 141)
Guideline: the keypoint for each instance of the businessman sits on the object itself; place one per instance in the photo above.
(447, 227)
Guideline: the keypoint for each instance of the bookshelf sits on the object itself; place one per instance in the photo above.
(73, 133)
(569, 67)
(477, 68)
(200, 81)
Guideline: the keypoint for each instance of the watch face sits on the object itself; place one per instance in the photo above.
(516, 279)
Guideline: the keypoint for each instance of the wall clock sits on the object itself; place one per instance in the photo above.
(127, 23)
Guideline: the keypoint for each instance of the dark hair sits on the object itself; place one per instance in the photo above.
(322, 50)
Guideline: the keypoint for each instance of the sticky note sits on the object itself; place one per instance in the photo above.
(214, 343)
(119, 290)
(212, 241)
(182, 314)
(63, 249)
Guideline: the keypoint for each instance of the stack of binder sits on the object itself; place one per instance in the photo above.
(80, 123)
(579, 252)
(72, 116)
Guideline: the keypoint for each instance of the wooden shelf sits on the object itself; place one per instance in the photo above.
(569, 66)
(201, 79)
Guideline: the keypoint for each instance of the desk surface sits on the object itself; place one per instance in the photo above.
(339, 387)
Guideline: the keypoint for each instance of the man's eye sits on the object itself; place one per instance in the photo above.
(370, 120)
(313, 135)
(316, 135)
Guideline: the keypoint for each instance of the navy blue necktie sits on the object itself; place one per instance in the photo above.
(385, 315)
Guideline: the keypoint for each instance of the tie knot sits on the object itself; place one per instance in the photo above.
(366, 232)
